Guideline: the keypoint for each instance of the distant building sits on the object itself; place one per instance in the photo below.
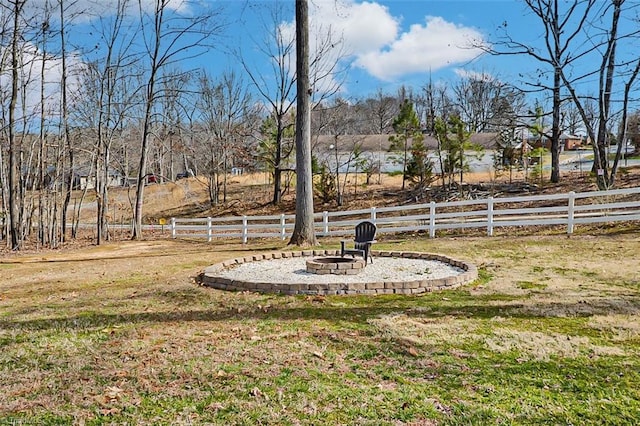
(567, 142)
(374, 143)
(82, 179)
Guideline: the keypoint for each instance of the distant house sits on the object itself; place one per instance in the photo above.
(567, 142)
(571, 142)
(83, 180)
(516, 154)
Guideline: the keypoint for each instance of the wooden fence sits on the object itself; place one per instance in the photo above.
(568, 209)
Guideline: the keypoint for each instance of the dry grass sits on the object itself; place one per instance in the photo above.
(253, 193)
(122, 333)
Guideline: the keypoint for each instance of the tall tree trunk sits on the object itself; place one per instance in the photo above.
(65, 126)
(42, 234)
(15, 186)
(622, 136)
(555, 120)
(146, 127)
(555, 129)
(303, 232)
(142, 165)
(601, 163)
(4, 193)
(277, 168)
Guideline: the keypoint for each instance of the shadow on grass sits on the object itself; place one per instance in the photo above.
(168, 253)
(359, 313)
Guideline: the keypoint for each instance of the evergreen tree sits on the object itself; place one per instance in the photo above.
(407, 128)
(420, 166)
(453, 142)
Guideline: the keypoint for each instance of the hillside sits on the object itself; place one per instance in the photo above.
(251, 195)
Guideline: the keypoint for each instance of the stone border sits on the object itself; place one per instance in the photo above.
(211, 279)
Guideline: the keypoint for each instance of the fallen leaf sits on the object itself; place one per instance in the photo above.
(110, 411)
(112, 394)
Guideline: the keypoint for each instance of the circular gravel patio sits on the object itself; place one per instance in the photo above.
(392, 272)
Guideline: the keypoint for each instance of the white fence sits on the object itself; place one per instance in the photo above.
(569, 209)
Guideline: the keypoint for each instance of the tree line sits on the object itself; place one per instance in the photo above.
(123, 105)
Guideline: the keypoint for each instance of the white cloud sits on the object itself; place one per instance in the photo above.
(368, 36)
(349, 28)
(432, 46)
(364, 26)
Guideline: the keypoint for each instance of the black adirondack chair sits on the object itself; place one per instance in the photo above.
(365, 237)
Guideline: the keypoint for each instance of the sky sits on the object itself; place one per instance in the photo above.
(379, 45)
(390, 43)
(386, 44)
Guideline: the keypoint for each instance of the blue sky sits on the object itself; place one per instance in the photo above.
(385, 43)
(404, 42)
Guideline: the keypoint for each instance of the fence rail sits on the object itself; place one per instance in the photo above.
(568, 209)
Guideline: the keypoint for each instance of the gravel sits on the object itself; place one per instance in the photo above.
(293, 270)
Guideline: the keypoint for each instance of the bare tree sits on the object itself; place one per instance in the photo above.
(226, 109)
(571, 119)
(41, 165)
(611, 69)
(484, 102)
(175, 104)
(277, 86)
(278, 49)
(102, 105)
(339, 120)
(633, 131)
(303, 231)
(381, 109)
(16, 196)
(561, 27)
(168, 38)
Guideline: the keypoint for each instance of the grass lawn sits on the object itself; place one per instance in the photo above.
(123, 334)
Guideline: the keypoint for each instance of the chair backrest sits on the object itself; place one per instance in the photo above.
(365, 231)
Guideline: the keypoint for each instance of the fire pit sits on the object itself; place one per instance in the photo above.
(393, 272)
(335, 265)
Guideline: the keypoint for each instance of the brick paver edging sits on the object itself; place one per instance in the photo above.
(210, 276)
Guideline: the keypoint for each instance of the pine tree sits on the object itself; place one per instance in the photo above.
(407, 128)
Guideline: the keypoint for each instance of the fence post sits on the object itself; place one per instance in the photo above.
(432, 219)
(209, 229)
(490, 216)
(283, 233)
(570, 212)
(373, 215)
(325, 223)
(173, 227)
(245, 230)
